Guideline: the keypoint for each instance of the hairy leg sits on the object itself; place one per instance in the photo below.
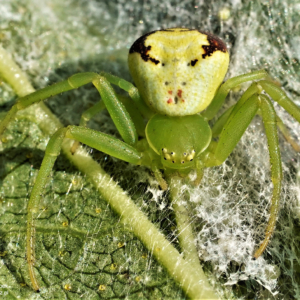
(234, 128)
(92, 138)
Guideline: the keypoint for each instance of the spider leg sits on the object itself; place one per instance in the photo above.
(52, 151)
(132, 91)
(117, 111)
(199, 171)
(285, 132)
(88, 114)
(134, 113)
(278, 95)
(234, 129)
(221, 121)
(231, 133)
(107, 144)
(159, 177)
(224, 89)
(115, 108)
(86, 117)
(72, 82)
(269, 119)
(183, 221)
(129, 106)
(255, 87)
(125, 123)
(231, 111)
(92, 138)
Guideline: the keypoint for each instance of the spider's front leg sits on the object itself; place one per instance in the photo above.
(105, 143)
(231, 125)
(92, 138)
(235, 126)
(74, 82)
(130, 107)
(231, 83)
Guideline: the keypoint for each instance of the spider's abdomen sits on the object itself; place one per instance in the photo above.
(178, 70)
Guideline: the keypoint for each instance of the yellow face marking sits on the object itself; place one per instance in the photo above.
(178, 70)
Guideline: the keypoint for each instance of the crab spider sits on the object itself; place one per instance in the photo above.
(178, 74)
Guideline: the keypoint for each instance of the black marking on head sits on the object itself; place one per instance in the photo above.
(215, 44)
(176, 99)
(173, 161)
(193, 62)
(140, 47)
(155, 60)
(165, 158)
(191, 159)
(166, 83)
(163, 64)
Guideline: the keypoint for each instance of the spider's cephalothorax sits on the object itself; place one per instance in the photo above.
(179, 140)
(178, 70)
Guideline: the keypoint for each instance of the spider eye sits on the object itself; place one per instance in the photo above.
(193, 62)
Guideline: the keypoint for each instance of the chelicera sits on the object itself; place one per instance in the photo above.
(178, 74)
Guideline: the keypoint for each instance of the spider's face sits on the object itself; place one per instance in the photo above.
(178, 70)
(178, 140)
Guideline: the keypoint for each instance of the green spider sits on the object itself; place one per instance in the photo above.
(178, 74)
